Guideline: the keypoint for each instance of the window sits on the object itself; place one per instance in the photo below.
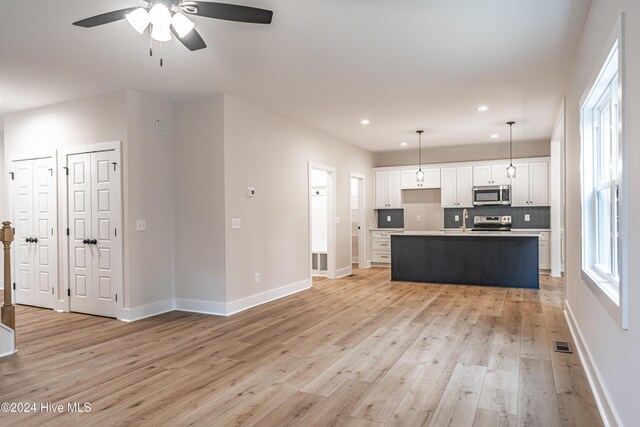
(602, 163)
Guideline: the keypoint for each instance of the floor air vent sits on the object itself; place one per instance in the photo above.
(562, 347)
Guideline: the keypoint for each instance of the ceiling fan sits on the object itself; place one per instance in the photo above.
(169, 17)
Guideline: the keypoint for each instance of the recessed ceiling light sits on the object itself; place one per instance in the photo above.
(494, 136)
(404, 144)
(482, 108)
(365, 121)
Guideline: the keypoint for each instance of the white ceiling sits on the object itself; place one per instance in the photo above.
(325, 63)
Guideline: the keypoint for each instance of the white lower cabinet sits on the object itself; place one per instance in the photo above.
(381, 247)
(544, 255)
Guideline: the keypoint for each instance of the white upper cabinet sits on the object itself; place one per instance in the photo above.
(388, 190)
(530, 187)
(456, 181)
(457, 187)
(431, 179)
(482, 175)
(495, 174)
(539, 183)
(499, 174)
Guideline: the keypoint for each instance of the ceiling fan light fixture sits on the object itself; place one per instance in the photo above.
(182, 24)
(139, 19)
(160, 16)
(161, 34)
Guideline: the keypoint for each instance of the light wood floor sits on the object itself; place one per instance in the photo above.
(360, 351)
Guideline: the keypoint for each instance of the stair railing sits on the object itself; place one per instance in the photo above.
(8, 312)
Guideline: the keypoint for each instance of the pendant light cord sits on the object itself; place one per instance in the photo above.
(419, 149)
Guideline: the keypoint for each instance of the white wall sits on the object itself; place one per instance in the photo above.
(614, 353)
(149, 195)
(464, 153)
(199, 209)
(271, 153)
(3, 201)
(146, 193)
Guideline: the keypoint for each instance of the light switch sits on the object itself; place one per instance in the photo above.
(388, 218)
(457, 218)
(418, 218)
(236, 224)
(141, 225)
(337, 220)
(527, 217)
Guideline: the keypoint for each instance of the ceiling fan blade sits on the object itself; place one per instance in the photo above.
(192, 41)
(105, 18)
(228, 12)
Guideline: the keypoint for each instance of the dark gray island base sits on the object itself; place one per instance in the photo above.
(494, 259)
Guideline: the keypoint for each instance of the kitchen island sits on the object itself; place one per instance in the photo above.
(506, 259)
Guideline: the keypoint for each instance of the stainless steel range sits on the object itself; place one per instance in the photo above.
(492, 223)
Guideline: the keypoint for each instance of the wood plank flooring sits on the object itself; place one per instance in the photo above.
(360, 351)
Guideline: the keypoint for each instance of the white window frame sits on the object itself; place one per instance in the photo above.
(609, 81)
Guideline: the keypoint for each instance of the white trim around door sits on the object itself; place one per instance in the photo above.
(102, 257)
(362, 241)
(331, 217)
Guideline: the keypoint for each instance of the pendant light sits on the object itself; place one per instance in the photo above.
(511, 170)
(420, 173)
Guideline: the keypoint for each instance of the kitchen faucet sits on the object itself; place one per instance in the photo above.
(465, 215)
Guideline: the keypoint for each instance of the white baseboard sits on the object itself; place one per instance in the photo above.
(365, 264)
(2, 284)
(343, 272)
(354, 260)
(264, 297)
(148, 310)
(603, 401)
(203, 307)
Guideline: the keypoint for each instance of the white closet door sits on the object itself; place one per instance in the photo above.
(23, 223)
(79, 212)
(45, 271)
(105, 207)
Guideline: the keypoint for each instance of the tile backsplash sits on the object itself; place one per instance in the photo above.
(539, 217)
(390, 218)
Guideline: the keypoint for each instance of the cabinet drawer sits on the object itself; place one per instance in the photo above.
(386, 235)
(381, 256)
(381, 244)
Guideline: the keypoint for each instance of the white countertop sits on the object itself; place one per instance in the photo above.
(469, 233)
(517, 230)
(386, 229)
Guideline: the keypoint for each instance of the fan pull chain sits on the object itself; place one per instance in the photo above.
(161, 54)
(150, 45)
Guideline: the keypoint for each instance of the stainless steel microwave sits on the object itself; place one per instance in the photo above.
(487, 195)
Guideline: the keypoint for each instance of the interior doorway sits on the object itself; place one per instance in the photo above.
(93, 248)
(357, 215)
(322, 223)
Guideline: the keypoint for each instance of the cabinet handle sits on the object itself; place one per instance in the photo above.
(94, 242)
(34, 240)
(85, 241)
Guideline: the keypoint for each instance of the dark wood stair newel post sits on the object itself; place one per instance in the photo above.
(8, 310)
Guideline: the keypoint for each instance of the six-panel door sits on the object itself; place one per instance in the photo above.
(93, 192)
(34, 215)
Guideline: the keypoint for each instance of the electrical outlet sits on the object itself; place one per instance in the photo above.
(141, 225)
(236, 224)
(160, 125)
(418, 218)
(388, 218)
(527, 217)
(257, 278)
(457, 218)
